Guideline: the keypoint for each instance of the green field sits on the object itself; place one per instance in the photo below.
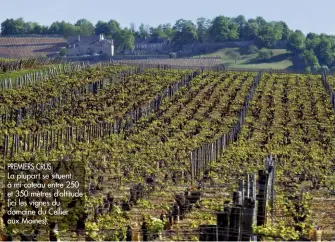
(280, 60)
(14, 74)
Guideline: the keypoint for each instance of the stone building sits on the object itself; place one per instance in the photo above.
(150, 45)
(89, 45)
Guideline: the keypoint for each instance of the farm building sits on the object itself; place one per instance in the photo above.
(88, 45)
(30, 46)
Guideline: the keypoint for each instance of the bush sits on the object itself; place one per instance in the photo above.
(308, 69)
(315, 67)
(63, 52)
(155, 225)
(264, 54)
(252, 49)
(323, 69)
(235, 55)
(173, 55)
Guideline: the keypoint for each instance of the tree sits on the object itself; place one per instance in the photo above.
(63, 52)
(308, 69)
(240, 21)
(114, 27)
(235, 55)
(268, 35)
(63, 28)
(323, 69)
(168, 31)
(242, 24)
(316, 67)
(13, 27)
(29, 27)
(38, 29)
(308, 58)
(157, 32)
(102, 28)
(132, 27)
(286, 32)
(85, 27)
(296, 42)
(233, 33)
(261, 21)
(219, 31)
(264, 54)
(8, 27)
(250, 31)
(311, 35)
(312, 41)
(81, 22)
(124, 40)
(278, 30)
(324, 52)
(252, 49)
(172, 55)
(144, 31)
(110, 29)
(203, 26)
(70, 30)
(55, 28)
(162, 31)
(185, 32)
(45, 29)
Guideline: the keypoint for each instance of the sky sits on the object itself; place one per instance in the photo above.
(305, 15)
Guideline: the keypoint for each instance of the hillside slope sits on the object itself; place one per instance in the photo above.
(281, 59)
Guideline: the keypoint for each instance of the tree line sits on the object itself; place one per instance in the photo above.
(310, 52)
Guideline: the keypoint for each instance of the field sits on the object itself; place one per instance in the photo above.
(135, 130)
(28, 47)
(15, 74)
(12, 68)
(279, 60)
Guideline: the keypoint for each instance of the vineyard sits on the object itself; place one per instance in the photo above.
(165, 149)
(11, 41)
(29, 47)
(9, 66)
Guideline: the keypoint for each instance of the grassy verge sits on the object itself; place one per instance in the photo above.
(281, 59)
(14, 74)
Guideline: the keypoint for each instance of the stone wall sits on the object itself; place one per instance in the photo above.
(94, 59)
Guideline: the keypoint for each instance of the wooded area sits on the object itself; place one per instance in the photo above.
(311, 52)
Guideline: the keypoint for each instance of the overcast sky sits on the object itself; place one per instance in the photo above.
(308, 15)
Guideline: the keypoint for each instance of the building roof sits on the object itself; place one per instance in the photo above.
(83, 39)
(86, 39)
(150, 40)
(101, 42)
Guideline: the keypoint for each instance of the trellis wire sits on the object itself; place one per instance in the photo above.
(201, 157)
(328, 89)
(38, 109)
(48, 140)
(42, 75)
